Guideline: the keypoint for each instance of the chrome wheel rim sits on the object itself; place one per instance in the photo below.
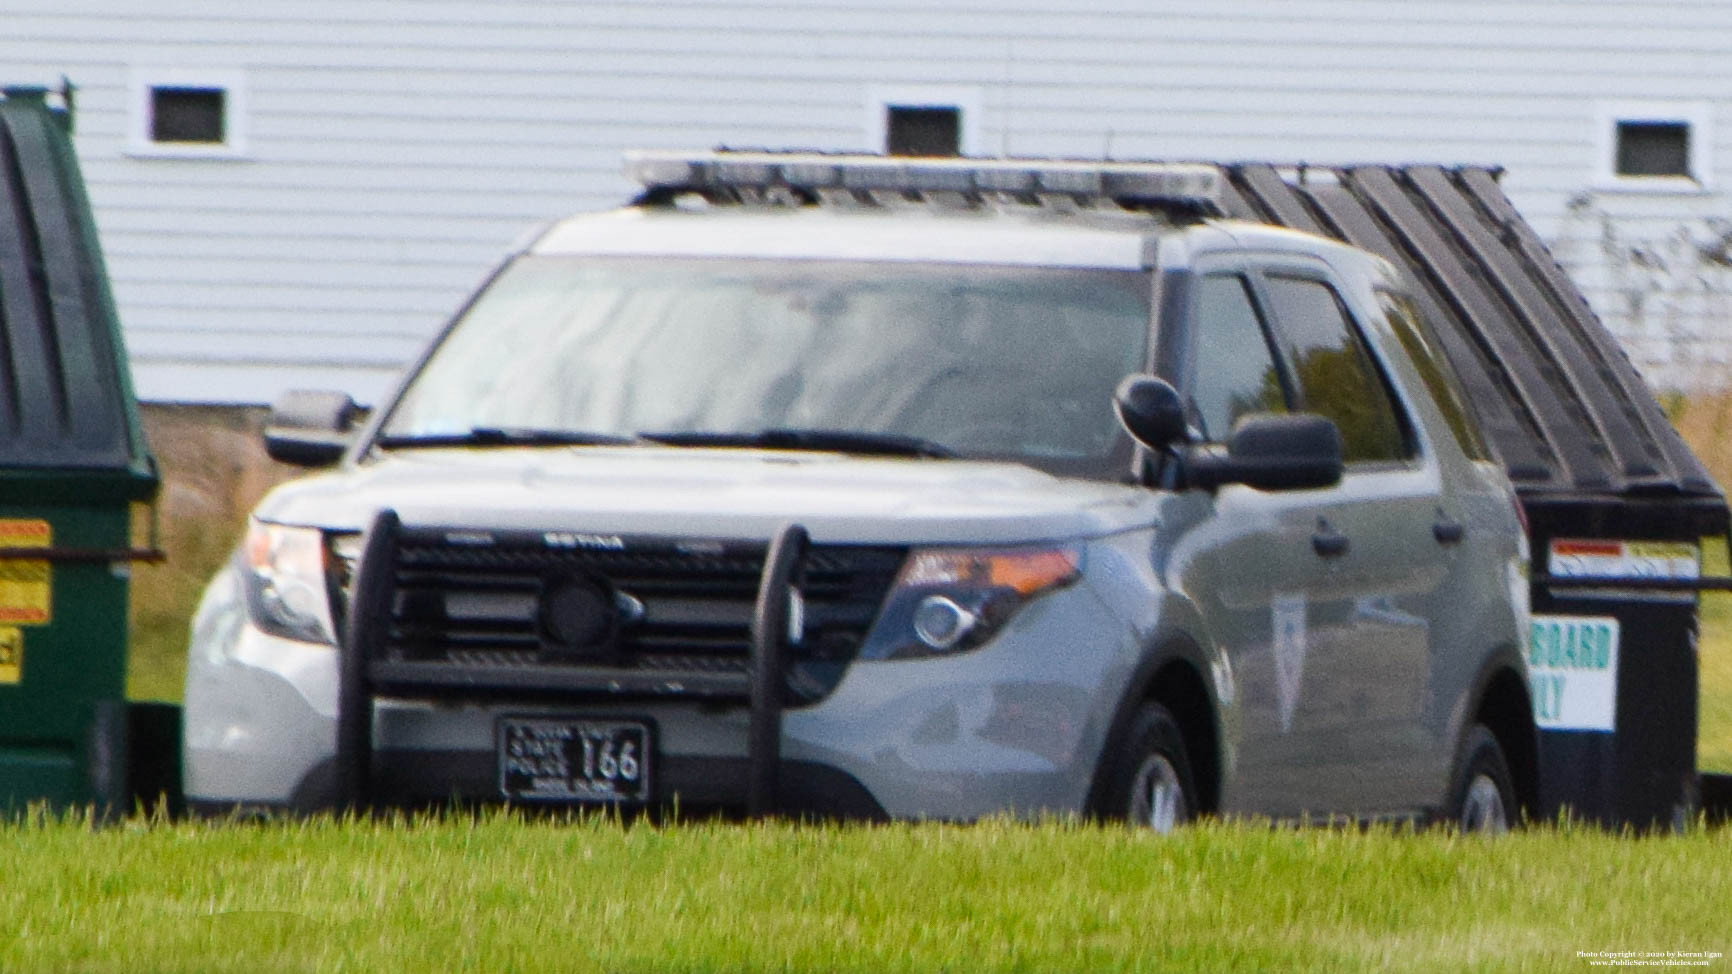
(1482, 808)
(1157, 797)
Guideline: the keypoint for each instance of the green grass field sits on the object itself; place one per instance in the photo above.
(495, 893)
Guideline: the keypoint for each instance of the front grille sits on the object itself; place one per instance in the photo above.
(466, 609)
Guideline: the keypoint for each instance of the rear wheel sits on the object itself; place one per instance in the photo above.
(1483, 797)
(1151, 785)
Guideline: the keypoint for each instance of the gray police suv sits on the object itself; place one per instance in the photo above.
(861, 486)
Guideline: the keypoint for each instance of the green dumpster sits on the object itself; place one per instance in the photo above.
(74, 473)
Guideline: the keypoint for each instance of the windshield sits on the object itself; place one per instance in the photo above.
(977, 361)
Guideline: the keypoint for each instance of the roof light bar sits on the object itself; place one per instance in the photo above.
(1195, 184)
(879, 174)
(1071, 179)
(743, 172)
(998, 179)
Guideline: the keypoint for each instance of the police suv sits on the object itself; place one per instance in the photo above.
(855, 486)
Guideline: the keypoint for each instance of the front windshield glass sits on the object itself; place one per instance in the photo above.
(1015, 362)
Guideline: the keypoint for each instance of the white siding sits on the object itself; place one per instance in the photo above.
(394, 148)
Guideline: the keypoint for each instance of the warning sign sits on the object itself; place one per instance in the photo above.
(11, 654)
(1624, 559)
(26, 584)
(1573, 672)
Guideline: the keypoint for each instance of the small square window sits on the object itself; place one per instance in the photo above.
(1654, 149)
(179, 114)
(923, 120)
(923, 130)
(187, 113)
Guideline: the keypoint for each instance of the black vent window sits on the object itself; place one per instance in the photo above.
(924, 130)
(179, 114)
(1654, 149)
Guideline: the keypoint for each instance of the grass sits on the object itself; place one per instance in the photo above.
(1705, 421)
(495, 893)
(1714, 653)
(214, 470)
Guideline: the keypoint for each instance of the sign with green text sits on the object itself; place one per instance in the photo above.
(1573, 672)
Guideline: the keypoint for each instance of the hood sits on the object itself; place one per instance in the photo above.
(714, 493)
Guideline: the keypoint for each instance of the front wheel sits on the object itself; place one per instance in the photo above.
(1151, 785)
(1483, 796)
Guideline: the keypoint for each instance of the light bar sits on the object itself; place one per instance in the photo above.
(1194, 184)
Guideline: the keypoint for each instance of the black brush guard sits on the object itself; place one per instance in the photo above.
(362, 671)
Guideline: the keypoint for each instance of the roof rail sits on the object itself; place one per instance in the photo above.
(1190, 186)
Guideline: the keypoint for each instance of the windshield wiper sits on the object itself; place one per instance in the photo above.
(504, 436)
(840, 441)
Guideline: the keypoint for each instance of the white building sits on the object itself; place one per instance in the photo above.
(298, 192)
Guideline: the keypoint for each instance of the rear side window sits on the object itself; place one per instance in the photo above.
(1234, 371)
(1417, 340)
(1334, 373)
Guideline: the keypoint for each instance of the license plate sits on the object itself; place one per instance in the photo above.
(551, 759)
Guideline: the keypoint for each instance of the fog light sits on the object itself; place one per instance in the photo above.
(941, 623)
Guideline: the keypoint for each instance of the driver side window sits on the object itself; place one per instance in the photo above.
(1233, 371)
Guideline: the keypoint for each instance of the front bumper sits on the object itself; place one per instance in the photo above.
(1015, 726)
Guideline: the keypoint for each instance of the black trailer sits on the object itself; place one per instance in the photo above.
(1616, 504)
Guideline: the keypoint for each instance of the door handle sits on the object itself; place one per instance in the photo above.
(1448, 530)
(1329, 542)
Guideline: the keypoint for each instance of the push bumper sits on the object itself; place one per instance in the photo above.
(1013, 727)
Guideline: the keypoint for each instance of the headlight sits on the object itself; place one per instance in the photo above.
(283, 570)
(948, 600)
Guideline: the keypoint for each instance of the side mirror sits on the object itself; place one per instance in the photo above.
(310, 429)
(1150, 410)
(1271, 451)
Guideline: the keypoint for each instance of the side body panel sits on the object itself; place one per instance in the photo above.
(1351, 672)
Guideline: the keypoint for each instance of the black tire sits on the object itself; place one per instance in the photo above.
(1149, 782)
(1482, 798)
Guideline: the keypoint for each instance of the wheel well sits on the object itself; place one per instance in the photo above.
(1505, 710)
(1179, 688)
